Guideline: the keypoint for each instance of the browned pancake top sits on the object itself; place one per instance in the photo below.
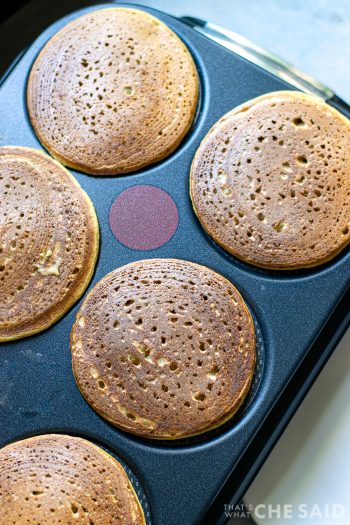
(271, 181)
(48, 241)
(164, 348)
(56, 479)
(113, 91)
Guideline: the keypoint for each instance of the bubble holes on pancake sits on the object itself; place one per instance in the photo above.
(247, 408)
(245, 411)
(211, 347)
(106, 447)
(203, 98)
(310, 175)
(201, 108)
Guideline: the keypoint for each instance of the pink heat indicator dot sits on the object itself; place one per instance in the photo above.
(143, 217)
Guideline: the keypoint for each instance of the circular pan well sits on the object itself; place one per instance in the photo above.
(164, 348)
(146, 113)
(270, 182)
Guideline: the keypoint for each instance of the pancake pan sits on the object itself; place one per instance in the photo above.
(291, 310)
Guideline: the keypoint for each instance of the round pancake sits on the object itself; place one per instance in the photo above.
(164, 348)
(113, 91)
(60, 479)
(271, 181)
(48, 241)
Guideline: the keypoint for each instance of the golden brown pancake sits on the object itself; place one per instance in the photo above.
(271, 181)
(57, 479)
(164, 348)
(113, 91)
(48, 241)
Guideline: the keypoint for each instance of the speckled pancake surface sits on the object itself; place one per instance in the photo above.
(48, 241)
(57, 479)
(271, 181)
(113, 91)
(164, 348)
